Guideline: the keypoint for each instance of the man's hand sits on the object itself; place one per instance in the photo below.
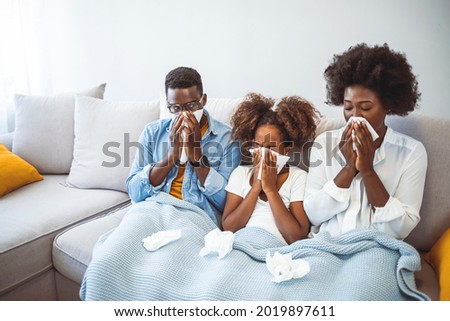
(193, 137)
(176, 138)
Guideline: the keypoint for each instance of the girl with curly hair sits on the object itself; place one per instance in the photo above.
(274, 201)
(363, 179)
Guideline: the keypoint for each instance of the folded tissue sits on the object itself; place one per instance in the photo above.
(217, 241)
(369, 127)
(161, 238)
(284, 268)
(281, 159)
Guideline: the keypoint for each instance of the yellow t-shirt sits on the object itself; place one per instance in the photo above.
(175, 189)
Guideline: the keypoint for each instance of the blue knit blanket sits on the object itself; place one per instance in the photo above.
(359, 265)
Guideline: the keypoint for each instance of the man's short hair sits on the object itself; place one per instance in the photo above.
(184, 77)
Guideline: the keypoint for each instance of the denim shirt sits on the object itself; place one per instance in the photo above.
(223, 156)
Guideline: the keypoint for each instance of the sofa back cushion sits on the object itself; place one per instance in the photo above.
(43, 133)
(106, 140)
(434, 133)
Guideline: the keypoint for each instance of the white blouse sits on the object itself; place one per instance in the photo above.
(401, 164)
(292, 190)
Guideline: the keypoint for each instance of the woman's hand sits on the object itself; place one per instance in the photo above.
(269, 173)
(346, 147)
(365, 147)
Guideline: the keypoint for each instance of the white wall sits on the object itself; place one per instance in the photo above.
(274, 47)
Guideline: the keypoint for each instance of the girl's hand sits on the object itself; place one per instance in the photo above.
(256, 183)
(346, 146)
(365, 147)
(269, 173)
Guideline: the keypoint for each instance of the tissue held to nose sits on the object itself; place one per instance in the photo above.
(281, 159)
(358, 120)
(198, 115)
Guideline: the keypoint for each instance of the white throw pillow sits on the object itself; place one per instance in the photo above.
(220, 108)
(106, 136)
(43, 133)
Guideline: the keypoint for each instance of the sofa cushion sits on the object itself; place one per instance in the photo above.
(106, 136)
(43, 133)
(32, 215)
(434, 134)
(15, 172)
(72, 249)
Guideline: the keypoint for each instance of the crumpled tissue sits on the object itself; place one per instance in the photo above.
(369, 127)
(217, 241)
(281, 159)
(161, 238)
(284, 268)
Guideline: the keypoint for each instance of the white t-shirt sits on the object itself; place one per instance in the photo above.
(292, 190)
(400, 163)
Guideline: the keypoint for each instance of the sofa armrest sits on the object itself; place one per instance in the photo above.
(7, 140)
(439, 258)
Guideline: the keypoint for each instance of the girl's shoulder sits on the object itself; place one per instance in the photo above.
(243, 170)
(296, 172)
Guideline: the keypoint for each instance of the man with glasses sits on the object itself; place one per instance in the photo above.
(189, 156)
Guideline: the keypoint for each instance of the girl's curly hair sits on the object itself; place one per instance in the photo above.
(378, 68)
(294, 116)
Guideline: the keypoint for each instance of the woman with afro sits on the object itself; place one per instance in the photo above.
(357, 180)
(275, 201)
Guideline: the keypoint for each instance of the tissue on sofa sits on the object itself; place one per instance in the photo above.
(217, 241)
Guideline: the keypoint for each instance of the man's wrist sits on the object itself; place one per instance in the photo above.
(202, 162)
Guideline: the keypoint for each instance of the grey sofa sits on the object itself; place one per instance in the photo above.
(48, 230)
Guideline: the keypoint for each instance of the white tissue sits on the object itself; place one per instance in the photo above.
(281, 159)
(161, 238)
(369, 127)
(217, 241)
(198, 115)
(284, 268)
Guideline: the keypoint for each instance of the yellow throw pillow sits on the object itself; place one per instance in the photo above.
(439, 258)
(15, 172)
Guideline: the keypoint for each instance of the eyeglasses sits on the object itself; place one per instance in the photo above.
(192, 106)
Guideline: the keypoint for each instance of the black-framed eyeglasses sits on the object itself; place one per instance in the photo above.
(192, 106)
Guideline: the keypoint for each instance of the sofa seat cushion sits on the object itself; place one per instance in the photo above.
(72, 249)
(31, 217)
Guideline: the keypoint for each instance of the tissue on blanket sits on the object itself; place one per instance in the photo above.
(284, 268)
(161, 238)
(217, 241)
(281, 159)
(369, 127)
